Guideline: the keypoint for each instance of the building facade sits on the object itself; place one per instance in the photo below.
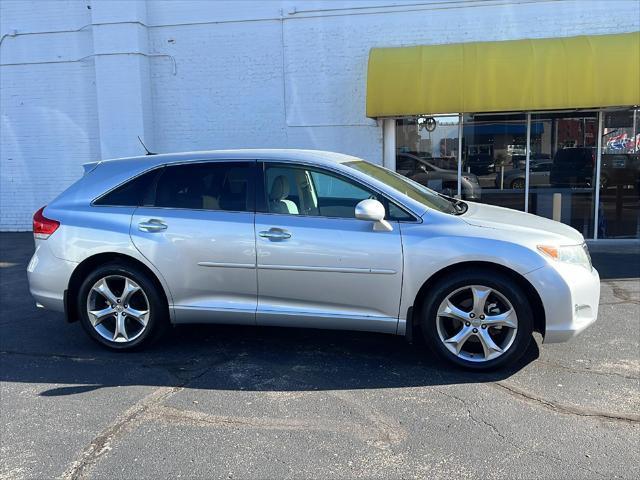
(81, 80)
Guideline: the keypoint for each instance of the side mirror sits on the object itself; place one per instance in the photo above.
(373, 211)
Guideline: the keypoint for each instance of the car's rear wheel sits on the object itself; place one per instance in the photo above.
(477, 319)
(120, 307)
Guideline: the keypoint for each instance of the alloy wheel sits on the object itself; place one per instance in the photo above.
(118, 309)
(477, 323)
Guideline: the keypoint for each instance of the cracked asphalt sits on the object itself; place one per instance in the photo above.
(245, 402)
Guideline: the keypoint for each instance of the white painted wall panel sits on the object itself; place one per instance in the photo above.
(227, 91)
(48, 129)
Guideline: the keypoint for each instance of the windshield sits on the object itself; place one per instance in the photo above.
(411, 189)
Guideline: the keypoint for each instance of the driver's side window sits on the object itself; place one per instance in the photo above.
(297, 190)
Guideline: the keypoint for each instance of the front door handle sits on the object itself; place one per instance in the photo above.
(275, 234)
(153, 225)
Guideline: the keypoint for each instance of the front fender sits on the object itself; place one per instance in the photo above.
(429, 249)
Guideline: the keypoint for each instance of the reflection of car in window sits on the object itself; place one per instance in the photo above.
(520, 161)
(575, 167)
(438, 179)
(538, 175)
(480, 159)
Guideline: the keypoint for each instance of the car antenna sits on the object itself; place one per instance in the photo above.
(145, 147)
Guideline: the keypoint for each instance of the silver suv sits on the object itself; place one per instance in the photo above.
(305, 239)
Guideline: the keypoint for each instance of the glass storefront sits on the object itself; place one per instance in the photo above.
(427, 152)
(619, 209)
(562, 168)
(491, 152)
(493, 147)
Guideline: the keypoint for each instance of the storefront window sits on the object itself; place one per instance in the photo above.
(562, 168)
(562, 171)
(620, 175)
(427, 152)
(493, 154)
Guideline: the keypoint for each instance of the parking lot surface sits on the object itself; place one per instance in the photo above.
(245, 402)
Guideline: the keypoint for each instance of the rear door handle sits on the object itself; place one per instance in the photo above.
(153, 225)
(275, 234)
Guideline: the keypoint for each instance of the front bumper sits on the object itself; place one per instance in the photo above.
(570, 295)
(49, 277)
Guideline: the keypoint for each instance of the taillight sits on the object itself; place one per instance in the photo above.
(43, 227)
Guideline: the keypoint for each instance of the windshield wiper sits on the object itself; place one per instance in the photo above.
(459, 207)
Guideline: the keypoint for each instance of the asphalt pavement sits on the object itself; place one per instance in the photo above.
(250, 402)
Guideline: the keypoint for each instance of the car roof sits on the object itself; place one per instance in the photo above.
(113, 172)
(315, 156)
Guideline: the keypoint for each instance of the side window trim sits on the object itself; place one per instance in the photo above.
(150, 194)
(261, 200)
(322, 169)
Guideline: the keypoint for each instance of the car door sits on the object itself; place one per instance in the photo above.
(198, 230)
(319, 266)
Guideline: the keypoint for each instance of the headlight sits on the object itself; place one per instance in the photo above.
(575, 254)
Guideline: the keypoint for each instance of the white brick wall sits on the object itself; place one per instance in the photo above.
(247, 74)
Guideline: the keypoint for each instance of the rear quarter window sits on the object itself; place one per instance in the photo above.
(132, 193)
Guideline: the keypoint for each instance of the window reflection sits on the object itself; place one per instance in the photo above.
(494, 149)
(562, 168)
(427, 152)
(620, 176)
(562, 164)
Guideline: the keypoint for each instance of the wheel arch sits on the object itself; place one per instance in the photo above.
(539, 318)
(91, 263)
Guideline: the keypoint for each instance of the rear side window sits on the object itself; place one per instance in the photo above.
(134, 193)
(207, 186)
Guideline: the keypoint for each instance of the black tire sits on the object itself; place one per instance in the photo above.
(158, 319)
(489, 278)
(518, 184)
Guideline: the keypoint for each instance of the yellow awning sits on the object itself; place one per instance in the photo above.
(541, 74)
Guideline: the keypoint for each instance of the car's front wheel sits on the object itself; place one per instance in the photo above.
(477, 319)
(120, 307)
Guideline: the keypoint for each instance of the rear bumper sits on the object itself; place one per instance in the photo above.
(49, 277)
(570, 295)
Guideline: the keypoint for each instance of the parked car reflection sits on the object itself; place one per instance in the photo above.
(480, 159)
(516, 178)
(439, 179)
(575, 167)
